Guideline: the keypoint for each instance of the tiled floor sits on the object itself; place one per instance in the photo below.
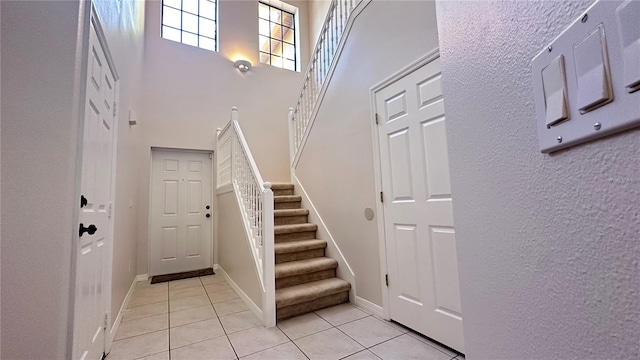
(203, 318)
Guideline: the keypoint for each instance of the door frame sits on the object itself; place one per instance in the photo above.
(377, 158)
(214, 206)
(89, 17)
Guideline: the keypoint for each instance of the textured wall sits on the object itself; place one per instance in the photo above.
(336, 165)
(548, 245)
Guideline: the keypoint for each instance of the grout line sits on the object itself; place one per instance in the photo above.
(169, 315)
(290, 339)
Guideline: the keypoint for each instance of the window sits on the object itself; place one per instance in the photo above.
(277, 38)
(191, 22)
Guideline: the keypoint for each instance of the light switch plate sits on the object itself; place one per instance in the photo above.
(622, 113)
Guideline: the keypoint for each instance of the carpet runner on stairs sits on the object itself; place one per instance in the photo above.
(305, 279)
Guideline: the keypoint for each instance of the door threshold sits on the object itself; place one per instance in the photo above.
(182, 275)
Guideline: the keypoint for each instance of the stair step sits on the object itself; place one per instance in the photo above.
(282, 186)
(287, 198)
(308, 292)
(301, 267)
(313, 305)
(300, 245)
(294, 228)
(290, 212)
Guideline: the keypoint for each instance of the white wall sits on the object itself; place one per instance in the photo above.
(234, 251)
(547, 244)
(188, 92)
(336, 166)
(39, 143)
(123, 24)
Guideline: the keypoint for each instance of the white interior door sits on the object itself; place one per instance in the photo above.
(96, 224)
(181, 211)
(418, 217)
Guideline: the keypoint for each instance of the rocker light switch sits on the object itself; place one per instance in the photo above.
(592, 71)
(629, 27)
(555, 92)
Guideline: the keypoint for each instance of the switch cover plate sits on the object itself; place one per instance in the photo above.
(597, 36)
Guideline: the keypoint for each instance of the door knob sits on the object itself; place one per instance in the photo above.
(208, 215)
(91, 229)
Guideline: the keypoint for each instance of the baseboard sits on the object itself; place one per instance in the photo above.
(247, 300)
(369, 307)
(142, 277)
(343, 271)
(116, 323)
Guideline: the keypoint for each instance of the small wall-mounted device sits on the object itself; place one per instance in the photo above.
(586, 82)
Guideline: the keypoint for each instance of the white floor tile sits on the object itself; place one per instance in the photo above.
(288, 351)
(214, 349)
(188, 302)
(239, 321)
(369, 331)
(407, 348)
(394, 325)
(159, 356)
(328, 344)
(341, 314)
(142, 326)
(224, 295)
(432, 344)
(215, 287)
(212, 279)
(363, 355)
(188, 316)
(144, 311)
(139, 300)
(303, 325)
(184, 283)
(140, 346)
(230, 307)
(186, 292)
(195, 332)
(256, 339)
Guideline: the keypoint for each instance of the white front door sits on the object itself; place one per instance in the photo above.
(181, 211)
(418, 217)
(96, 223)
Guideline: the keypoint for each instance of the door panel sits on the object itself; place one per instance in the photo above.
(180, 233)
(96, 184)
(418, 218)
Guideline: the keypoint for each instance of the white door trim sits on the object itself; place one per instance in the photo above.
(214, 205)
(420, 62)
(94, 20)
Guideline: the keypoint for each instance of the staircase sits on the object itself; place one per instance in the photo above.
(305, 279)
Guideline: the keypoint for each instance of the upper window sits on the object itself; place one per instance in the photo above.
(277, 37)
(191, 22)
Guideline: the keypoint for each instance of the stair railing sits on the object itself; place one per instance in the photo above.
(236, 166)
(322, 62)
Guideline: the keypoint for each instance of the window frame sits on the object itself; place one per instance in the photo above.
(197, 34)
(290, 10)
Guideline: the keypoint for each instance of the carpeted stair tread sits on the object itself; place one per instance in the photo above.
(282, 186)
(300, 245)
(307, 266)
(294, 228)
(287, 198)
(291, 212)
(310, 291)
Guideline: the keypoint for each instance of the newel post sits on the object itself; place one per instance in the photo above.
(268, 261)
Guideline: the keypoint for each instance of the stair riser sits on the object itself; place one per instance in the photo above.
(300, 255)
(287, 205)
(309, 306)
(305, 278)
(289, 220)
(305, 235)
(281, 192)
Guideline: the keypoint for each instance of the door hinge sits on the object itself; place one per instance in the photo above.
(381, 197)
(376, 118)
(110, 211)
(115, 108)
(106, 320)
(386, 279)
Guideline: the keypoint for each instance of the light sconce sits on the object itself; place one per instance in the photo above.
(242, 65)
